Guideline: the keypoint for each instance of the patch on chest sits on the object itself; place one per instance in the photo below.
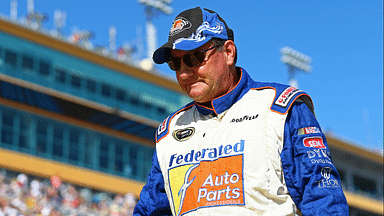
(210, 179)
(183, 134)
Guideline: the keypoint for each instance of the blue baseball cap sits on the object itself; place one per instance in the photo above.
(190, 30)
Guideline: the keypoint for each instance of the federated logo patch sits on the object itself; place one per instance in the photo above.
(179, 24)
(286, 96)
(314, 142)
(207, 178)
(308, 130)
(183, 134)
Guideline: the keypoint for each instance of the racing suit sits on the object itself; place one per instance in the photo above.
(258, 151)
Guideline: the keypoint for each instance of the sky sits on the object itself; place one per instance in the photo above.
(344, 38)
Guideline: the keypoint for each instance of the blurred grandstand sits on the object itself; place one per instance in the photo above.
(32, 195)
(77, 124)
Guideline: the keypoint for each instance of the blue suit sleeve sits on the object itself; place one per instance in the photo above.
(153, 198)
(311, 178)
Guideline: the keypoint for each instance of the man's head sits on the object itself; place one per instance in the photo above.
(190, 30)
(201, 50)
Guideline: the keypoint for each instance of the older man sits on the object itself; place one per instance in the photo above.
(241, 147)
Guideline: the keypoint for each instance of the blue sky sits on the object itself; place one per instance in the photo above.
(344, 38)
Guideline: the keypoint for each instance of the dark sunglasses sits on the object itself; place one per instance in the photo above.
(190, 59)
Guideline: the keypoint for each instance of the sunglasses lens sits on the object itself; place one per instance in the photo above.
(174, 64)
(194, 59)
(190, 59)
(200, 56)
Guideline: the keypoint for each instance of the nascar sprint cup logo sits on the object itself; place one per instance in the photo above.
(206, 178)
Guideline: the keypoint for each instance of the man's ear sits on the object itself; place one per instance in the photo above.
(230, 51)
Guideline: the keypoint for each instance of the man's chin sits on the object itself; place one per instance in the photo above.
(200, 100)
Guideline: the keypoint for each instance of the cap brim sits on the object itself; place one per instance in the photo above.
(162, 54)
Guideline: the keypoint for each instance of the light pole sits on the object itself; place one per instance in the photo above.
(295, 61)
(152, 7)
(59, 17)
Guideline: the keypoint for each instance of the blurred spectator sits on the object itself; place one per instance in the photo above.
(27, 195)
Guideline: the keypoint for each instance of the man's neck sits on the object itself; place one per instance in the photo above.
(206, 104)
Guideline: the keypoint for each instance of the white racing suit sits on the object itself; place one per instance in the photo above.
(258, 151)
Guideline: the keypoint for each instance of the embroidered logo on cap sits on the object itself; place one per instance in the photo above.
(179, 24)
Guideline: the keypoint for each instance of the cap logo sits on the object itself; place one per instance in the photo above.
(179, 24)
(201, 32)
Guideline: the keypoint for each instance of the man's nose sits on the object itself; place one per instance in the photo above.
(185, 71)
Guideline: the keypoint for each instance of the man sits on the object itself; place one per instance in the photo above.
(241, 147)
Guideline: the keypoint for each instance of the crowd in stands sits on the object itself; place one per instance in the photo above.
(30, 195)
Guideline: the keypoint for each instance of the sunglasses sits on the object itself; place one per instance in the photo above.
(191, 59)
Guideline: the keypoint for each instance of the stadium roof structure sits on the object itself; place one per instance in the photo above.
(56, 102)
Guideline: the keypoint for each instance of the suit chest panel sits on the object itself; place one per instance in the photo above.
(207, 159)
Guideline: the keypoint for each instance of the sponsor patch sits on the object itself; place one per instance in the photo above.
(179, 24)
(207, 178)
(183, 134)
(162, 127)
(244, 118)
(308, 130)
(326, 172)
(327, 181)
(314, 142)
(286, 96)
(320, 156)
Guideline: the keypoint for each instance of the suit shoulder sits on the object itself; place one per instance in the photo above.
(163, 129)
(285, 96)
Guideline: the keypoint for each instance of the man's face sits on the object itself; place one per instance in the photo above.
(207, 81)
